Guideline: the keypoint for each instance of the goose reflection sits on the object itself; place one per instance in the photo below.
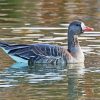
(75, 73)
(32, 74)
(20, 73)
(45, 73)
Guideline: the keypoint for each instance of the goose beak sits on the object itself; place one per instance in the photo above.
(88, 29)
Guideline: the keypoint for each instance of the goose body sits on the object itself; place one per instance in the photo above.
(46, 53)
(37, 53)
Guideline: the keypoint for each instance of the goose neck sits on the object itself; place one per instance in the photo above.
(73, 43)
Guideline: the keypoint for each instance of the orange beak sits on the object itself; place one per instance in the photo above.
(88, 29)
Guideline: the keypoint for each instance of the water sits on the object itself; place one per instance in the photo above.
(45, 21)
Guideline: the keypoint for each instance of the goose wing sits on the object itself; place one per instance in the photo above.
(33, 50)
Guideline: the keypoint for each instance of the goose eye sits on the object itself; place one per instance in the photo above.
(77, 25)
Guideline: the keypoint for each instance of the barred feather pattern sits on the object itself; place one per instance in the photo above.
(50, 54)
(38, 53)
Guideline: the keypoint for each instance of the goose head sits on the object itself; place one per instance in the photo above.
(78, 27)
(75, 29)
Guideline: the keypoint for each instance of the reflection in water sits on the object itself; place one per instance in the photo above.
(42, 21)
(48, 13)
(36, 73)
(74, 74)
(8, 11)
(20, 73)
(49, 81)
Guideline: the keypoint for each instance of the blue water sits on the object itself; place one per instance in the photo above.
(47, 22)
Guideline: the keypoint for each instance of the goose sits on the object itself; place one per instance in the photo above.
(47, 53)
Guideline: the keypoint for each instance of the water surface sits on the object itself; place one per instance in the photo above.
(45, 21)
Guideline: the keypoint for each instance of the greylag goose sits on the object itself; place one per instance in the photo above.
(47, 53)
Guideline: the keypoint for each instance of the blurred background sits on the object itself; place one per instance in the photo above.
(48, 13)
(46, 21)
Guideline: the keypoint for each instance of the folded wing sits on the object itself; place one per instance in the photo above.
(27, 51)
